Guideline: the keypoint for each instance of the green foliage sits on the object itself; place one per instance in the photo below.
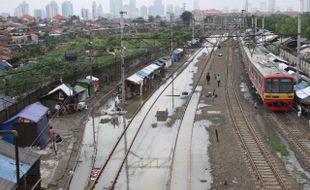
(287, 25)
(186, 17)
(50, 63)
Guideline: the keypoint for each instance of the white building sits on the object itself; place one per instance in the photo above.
(22, 9)
(100, 11)
(39, 13)
(115, 7)
(94, 11)
(143, 11)
(67, 9)
(52, 9)
(85, 14)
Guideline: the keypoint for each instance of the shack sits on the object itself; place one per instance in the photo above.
(134, 86)
(31, 124)
(177, 55)
(96, 82)
(29, 165)
(88, 84)
(61, 95)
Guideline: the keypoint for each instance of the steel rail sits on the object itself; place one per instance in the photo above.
(182, 67)
(259, 159)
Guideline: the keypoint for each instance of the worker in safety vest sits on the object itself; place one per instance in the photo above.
(218, 80)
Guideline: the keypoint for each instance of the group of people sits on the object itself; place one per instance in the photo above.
(217, 78)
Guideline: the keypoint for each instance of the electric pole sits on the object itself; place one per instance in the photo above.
(122, 56)
(298, 37)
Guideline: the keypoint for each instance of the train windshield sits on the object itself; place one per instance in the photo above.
(279, 85)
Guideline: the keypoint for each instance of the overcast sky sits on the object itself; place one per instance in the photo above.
(8, 6)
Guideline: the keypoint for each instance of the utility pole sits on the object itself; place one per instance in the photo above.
(122, 56)
(193, 29)
(263, 22)
(171, 50)
(298, 46)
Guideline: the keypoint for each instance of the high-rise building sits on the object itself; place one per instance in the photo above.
(52, 9)
(308, 6)
(94, 11)
(116, 7)
(143, 11)
(39, 13)
(67, 9)
(177, 10)
(100, 11)
(85, 14)
(196, 4)
(272, 6)
(22, 9)
(158, 8)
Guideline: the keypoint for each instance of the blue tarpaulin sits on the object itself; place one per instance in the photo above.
(142, 74)
(8, 168)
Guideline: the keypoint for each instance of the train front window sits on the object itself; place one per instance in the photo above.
(275, 86)
(286, 85)
(279, 85)
(268, 85)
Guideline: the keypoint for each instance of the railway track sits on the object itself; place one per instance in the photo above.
(92, 184)
(178, 178)
(267, 174)
(294, 133)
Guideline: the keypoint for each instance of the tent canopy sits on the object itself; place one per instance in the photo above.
(135, 79)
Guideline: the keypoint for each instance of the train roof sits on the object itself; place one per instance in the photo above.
(261, 60)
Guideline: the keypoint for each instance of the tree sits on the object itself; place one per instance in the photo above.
(151, 18)
(187, 17)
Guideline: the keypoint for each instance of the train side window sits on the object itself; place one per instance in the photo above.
(275, 87)
(286, 85)
(268, 85)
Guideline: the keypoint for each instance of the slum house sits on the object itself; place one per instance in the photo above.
(5, 103)
(31, 123)
(96, 81)
(60, 100)
(80, 93)
(29, 165)
(135, 83)
(90, 85)
(289, 52)
(177, 54)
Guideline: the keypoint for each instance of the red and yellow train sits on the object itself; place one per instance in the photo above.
(274, 86)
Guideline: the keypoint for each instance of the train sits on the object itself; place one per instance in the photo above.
(274, 86)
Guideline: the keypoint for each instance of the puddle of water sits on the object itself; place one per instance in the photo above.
(246, 92)
(294, 168)
(201, 166)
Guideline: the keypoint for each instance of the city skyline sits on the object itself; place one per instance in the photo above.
(9, 7)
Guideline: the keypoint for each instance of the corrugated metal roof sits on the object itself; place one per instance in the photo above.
(6, 101)
(67, 90)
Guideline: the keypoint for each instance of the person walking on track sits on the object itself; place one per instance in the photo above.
(218, 80)
(208, 78)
